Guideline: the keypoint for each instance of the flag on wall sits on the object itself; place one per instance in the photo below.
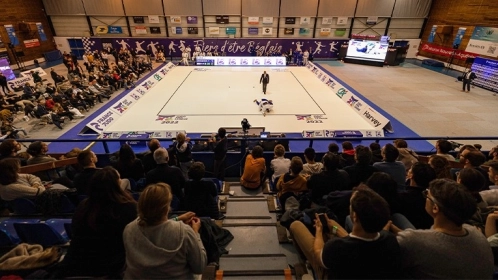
(267, 31)
(305, 20)
(267, 20)
(176, 30)
(327, 20)
(253, 20)
(41, 32)
(192, 19)
(140, 29)
(214, 31)
(252, 31)
(11, 32)
(175, 19)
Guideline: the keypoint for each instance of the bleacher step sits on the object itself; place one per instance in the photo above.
(257, 262)
(253, 240)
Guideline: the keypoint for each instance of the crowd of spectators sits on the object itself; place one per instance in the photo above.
(69, 96)
(426, 217)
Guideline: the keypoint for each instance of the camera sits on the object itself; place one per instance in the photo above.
(245, 125)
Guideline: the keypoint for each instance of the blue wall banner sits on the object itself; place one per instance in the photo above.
(11, 32)
(487, 73)
(432, 34)
(114, 29)
(458, 37)
(41, 32)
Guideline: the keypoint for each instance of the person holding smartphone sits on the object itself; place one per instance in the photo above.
(367, 252)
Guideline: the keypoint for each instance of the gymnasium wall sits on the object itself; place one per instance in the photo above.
(456, 14)
(14, 12)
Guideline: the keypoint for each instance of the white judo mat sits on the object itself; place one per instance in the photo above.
(202, 99)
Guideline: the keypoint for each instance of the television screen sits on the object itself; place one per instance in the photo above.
(367, 50)
(6, 70)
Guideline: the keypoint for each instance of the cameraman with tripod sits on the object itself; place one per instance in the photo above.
(219, 145)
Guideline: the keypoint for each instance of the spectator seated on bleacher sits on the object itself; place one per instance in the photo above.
(9, 149)
(367, 253)
(148, 159)
(87, 160)
(96, 248)
(450, 249)
(333, 148)
(164, 173)
(392, 167)
(38, 151)
(473, 159)
(128, 165)
(441, 166)
(491, 196)
(443, 148)
(14, 185)
(200, 196)
(361, 170)
(329, 180)
(348, 153)
(279, 165)
(406, 155)
(311, 166)
(474, 181)
(160, 248)
(291, 183)
(413, 201)
(254, 169)
(376, 152)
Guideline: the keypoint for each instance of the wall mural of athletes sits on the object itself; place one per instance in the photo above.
(320, 48)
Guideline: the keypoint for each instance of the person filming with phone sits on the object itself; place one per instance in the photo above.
(368, 252)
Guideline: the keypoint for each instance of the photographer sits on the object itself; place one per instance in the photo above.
(219, 146)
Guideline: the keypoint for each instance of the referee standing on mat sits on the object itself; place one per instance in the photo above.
(265, 79)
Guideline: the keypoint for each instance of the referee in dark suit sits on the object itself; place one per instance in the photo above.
(265, 78)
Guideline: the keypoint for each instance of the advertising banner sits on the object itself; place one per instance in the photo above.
(141, 30)
(31, 43)
(231, 30)
(11, 32)
(305, 20)
(192, 20)
(487, 73)
(115, 29)
(193, 30)
(322, 48)
(325, 31)
(222, 19)
(290, 20)
(20, 82)
(153, 19)
(138, 20)
(40, 71)
(252, 31)
(176, 30)
(214, 31)
(342, 20)
(326, 20)
(289, 31)
(41, 32)
(267, 31)
(175, 19)
(253, 20)
(447, 52)
(267, 20)
(484, 41)
(243, 60)
(155, 30)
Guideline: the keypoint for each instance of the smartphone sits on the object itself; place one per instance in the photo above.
(323, 219)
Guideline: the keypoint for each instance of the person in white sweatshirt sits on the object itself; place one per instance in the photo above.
(157, 247)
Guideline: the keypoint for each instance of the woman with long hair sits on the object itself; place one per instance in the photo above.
(157, 247)
(97, 247)
(128, 165)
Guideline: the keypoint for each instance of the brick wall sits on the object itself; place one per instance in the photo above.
(16, 11)
(459, 13)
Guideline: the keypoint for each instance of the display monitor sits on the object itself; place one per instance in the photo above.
(6, 70)
(367, 50)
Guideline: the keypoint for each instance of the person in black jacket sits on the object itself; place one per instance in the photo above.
(467, 79)
(183, 153)
(163, 173)
(200, 196)
(219, 146)
(265, 79)
(3, 83)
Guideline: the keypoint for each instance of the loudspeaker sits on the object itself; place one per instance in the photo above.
(20, 54)
(469, 60)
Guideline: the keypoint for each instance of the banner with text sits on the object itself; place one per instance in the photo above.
(446, 52)
(322, 48)
(484, 41)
